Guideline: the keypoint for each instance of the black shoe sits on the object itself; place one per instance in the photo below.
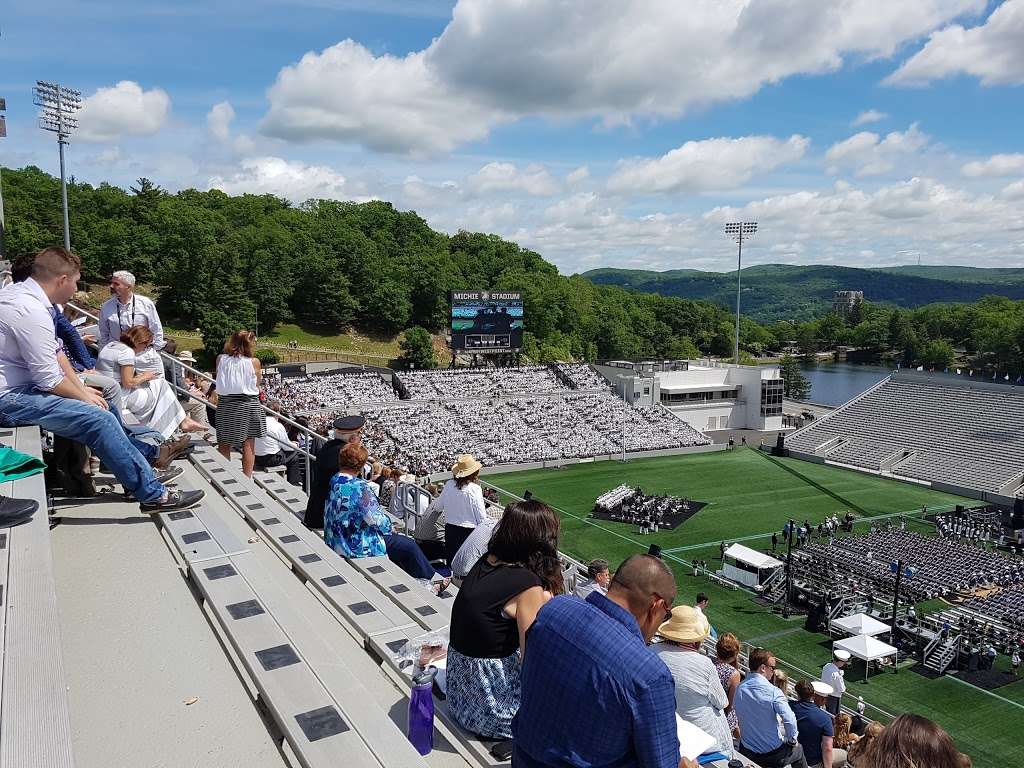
(175, 500)
(166, 475)
(16, 511)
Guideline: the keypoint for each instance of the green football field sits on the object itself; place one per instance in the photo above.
(749, 495)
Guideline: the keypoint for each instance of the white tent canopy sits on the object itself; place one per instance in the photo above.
(752, 557)
(860, 624)
(867, 648)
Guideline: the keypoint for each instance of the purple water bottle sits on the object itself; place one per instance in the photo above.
(421, 711)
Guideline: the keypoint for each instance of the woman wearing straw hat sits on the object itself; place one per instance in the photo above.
(462, 504)
(700, 698)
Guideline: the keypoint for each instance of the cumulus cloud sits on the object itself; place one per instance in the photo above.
(1014, 191)
(869, 116)
(997, 165)
(292, 180)
(122, 110)
(534, 179)
(219, 119)
(993, 52)
(613, 60)
(712, 164)
(868, 154)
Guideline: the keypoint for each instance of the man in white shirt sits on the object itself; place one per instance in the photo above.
(832, 674)
(34, 389)
(598, 578)
(124, 309)
(276, 450)
(473, 548)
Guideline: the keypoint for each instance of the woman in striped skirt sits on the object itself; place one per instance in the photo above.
(240, 417)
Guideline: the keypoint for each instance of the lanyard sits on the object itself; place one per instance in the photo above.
(131, 316)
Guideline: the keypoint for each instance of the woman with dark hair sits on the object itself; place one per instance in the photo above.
(496, 604)
(356, 526)
(240, 418)
(911, 741)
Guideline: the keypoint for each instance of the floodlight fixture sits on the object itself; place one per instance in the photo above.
(57, 107)
(739, 231)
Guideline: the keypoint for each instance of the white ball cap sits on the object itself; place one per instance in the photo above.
(822, 689)
(842, 655)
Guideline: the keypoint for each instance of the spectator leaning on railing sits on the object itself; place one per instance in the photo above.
(34, 390)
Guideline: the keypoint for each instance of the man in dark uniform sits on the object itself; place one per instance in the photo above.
(346, 429)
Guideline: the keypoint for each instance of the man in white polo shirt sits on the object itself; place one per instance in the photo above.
(276, 450)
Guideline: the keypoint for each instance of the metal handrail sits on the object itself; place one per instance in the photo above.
(281, 417)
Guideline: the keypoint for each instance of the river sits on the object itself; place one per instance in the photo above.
(836, 383)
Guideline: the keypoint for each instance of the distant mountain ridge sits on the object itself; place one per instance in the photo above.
(788, 292)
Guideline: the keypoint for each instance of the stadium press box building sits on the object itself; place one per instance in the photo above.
(708, 395)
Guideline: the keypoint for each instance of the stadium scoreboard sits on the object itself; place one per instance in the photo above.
(487, 321)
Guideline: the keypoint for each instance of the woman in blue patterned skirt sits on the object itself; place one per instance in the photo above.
(496, 604)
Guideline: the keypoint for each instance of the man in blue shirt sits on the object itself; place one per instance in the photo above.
(593, 694)
(759, 706)
(815, 725)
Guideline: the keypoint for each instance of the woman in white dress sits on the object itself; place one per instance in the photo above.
(147, 396)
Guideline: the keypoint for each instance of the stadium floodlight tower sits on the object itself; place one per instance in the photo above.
(58, 105)
(739, 231)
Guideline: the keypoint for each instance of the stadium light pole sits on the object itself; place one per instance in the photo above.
(739, 231)
(58, 105)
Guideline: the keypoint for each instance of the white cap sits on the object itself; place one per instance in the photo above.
(822, 689)
(842, 655)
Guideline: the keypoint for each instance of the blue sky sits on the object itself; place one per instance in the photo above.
(598, 132)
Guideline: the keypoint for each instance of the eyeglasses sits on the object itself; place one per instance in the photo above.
(666, 601)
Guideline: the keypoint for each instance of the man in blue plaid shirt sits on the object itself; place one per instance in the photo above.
(593, 694)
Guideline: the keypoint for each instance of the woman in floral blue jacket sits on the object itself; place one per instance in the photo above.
(356, 526)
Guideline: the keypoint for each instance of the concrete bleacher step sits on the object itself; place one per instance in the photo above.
(320, 708)
(35, 727)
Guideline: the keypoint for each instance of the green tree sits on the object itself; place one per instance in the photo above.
(795, 385)
(417, 350)
(938, 354)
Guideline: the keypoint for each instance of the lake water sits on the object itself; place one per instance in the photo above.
(836, 383)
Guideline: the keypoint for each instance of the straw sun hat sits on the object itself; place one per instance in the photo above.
(687, 625)
(466, 466)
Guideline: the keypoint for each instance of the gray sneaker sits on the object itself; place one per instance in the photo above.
(175, 499)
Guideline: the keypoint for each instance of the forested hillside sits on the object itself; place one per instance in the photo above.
(788, 292)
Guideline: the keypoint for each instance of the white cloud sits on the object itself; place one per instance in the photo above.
(534, 179)
(712, 164)
(578, 175)
(997, 165)
(294, 181)
(868, 154)
(614, 60)
(219, 119)
(122, 110)
(992, 52)
(1014, 191)
(869, 116)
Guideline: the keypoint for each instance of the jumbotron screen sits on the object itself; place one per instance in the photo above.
(487, 321)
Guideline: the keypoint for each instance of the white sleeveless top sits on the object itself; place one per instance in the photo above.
(236, 376)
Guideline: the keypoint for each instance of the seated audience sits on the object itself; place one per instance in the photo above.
(473, 548)
(496, 604)
(700, 698)
(759, 707)
(355, 525)
(429, 533)
(34, 390)
(858, 753)
(911, 741)
(816, 731)
(144, 394)
(598, 579)
(727, 664)
(593, 693)
(275, 449)
(462, 502)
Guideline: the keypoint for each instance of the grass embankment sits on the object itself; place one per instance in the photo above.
(751, 495)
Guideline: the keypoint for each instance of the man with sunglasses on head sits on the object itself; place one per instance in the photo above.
(593, 693)
(759, 706)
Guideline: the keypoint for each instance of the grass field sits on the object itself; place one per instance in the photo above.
(749, 495)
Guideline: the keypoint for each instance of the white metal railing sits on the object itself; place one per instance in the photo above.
(310, 434)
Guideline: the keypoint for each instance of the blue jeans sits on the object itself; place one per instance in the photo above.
(407, 555)
(100, 430)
